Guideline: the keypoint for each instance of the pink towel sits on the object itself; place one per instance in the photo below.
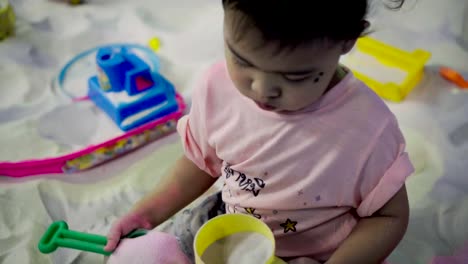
(152, 248)
(460, 257)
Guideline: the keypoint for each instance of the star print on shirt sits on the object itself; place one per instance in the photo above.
(251, 211)
(289, 226)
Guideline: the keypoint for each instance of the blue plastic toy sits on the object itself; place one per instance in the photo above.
(128, 90)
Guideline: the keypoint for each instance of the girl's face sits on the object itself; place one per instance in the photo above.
(280, 80)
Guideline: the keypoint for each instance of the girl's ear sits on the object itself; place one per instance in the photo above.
(349, 44)
(366, 25)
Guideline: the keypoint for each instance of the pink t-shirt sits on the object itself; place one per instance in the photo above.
(310, 175)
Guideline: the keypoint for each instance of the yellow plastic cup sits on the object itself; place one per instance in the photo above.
(75, 2)
(7, 19)
(229, 224)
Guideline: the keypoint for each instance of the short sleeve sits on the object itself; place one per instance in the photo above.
(385, 172)
(194, 132)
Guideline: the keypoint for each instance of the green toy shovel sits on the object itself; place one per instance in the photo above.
(58, 235)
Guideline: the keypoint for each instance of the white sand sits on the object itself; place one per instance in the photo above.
(14, 84)
(90, 201)
(245, 248)
(20, 141)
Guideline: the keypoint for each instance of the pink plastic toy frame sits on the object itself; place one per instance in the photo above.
(94, 155)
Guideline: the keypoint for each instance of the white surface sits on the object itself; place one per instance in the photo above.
(191, 38)
(233, 249)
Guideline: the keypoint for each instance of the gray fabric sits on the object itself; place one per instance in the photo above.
(186, 223)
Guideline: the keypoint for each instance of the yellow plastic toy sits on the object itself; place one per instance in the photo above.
(225, 225)
(410, 64)
(155, 44)
(75, 2)
(7, 19)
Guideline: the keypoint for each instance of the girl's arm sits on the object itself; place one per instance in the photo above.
(374, 238)
(185, 183)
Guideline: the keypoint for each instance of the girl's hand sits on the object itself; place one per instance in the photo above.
(123, 226)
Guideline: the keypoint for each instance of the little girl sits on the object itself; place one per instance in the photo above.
(298, 141)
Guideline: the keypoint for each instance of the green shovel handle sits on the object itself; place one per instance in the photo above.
(58, 235)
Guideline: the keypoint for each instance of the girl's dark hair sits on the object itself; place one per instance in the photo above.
(293, 22)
